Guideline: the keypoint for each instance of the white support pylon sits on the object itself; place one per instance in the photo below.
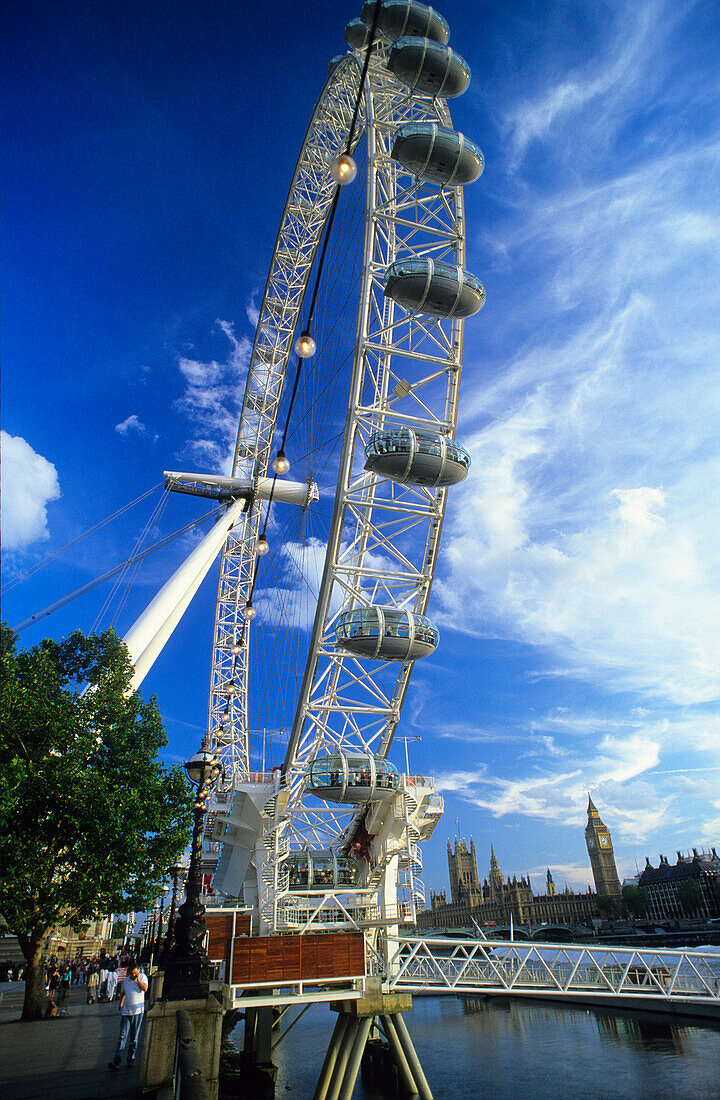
(147, 636)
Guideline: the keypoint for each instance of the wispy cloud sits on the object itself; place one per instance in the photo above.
(29, 483)
(622, 766)
(251, 310)
(131, 423)
(589, 525)
(212, 401)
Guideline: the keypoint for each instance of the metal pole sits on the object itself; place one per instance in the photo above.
(187, 966)
(356, 1054)
(342, 1059)
(417, 1071)
(399, 1055)
(156, 948)
(167, 945)
(336, 1040)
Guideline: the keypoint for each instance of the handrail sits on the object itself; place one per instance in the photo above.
(463, 965)
(189, 1082)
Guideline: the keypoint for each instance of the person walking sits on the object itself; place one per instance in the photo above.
(53, 987)
(111, 985)
(103, 982)
(65, 980)
(92, 986)
(132, 1007)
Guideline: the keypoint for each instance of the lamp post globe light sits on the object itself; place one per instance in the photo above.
(187, 966)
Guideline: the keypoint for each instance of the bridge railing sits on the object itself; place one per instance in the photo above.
(493, 966)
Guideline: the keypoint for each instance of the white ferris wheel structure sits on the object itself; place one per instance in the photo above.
(330, 838)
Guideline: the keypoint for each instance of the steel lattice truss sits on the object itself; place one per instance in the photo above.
(297, 242)
(384, 535)
(567, 970)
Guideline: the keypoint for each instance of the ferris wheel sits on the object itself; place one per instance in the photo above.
(326, 572)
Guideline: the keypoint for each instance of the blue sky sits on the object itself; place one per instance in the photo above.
(147, 154)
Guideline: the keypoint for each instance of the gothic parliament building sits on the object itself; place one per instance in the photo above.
(496, 900)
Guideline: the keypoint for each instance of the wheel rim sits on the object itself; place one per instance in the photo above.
(383, 539)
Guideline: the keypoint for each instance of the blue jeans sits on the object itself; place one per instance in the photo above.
(129, 1025)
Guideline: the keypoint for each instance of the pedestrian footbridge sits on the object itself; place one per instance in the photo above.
(685, 982)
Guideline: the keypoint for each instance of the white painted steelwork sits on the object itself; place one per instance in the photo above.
(569, 971)
(406, 373)
(150, 632)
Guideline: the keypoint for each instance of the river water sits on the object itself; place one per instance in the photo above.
(497, 1049)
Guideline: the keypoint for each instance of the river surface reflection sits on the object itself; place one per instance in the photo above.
(472, 1048)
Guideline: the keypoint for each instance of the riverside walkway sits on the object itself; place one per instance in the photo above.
(64, 1058)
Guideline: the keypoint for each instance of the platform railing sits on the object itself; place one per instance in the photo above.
(495, 966)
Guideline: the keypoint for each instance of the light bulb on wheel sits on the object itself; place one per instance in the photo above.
(249, 611)
(281, 464)
(305, 346)
(263, 545)
(343, 169)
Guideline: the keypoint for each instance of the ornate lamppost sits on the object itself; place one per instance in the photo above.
(177, 874)
(186, 977)
(156, 945)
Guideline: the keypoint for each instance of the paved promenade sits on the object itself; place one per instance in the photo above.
(64, 1058)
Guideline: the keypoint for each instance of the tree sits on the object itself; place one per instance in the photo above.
(636, 899)
(607, 906)
(89, 819)
(689, 896)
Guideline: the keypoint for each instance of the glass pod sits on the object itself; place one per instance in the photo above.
(398, 17)
(320, 869)
(351, 777)
(418, 457)
(434, 287)
(428, 68)
(386, 634)
(437, 154)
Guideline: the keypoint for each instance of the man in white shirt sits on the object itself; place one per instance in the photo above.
(132, 1006)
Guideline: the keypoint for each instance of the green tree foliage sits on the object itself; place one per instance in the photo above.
(636, 899)
(606, 905)
(89, 819)
(689, 896)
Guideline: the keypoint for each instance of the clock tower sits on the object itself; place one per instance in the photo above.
(602, 859)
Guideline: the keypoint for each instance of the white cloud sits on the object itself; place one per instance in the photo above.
(251, 311)
(628, 770)
(212, 401)
(29, 484)
(131, 423)
(589, 523)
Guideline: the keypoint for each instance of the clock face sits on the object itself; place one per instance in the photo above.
(604, 841)
(591, 842)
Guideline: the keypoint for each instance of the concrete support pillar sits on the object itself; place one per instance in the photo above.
(338, 1074)
(336, 1042)
(413, 1061)
(349, 1040)
(401, 1061)
(351, 1071)
(263, 1035)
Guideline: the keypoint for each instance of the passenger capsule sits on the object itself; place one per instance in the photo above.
(434, 287)
(386, 634)
(437, 153)
(429, 68)
(410, 455)
(351, 777)
(320, 869)
(399, 17)
(356, 34)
